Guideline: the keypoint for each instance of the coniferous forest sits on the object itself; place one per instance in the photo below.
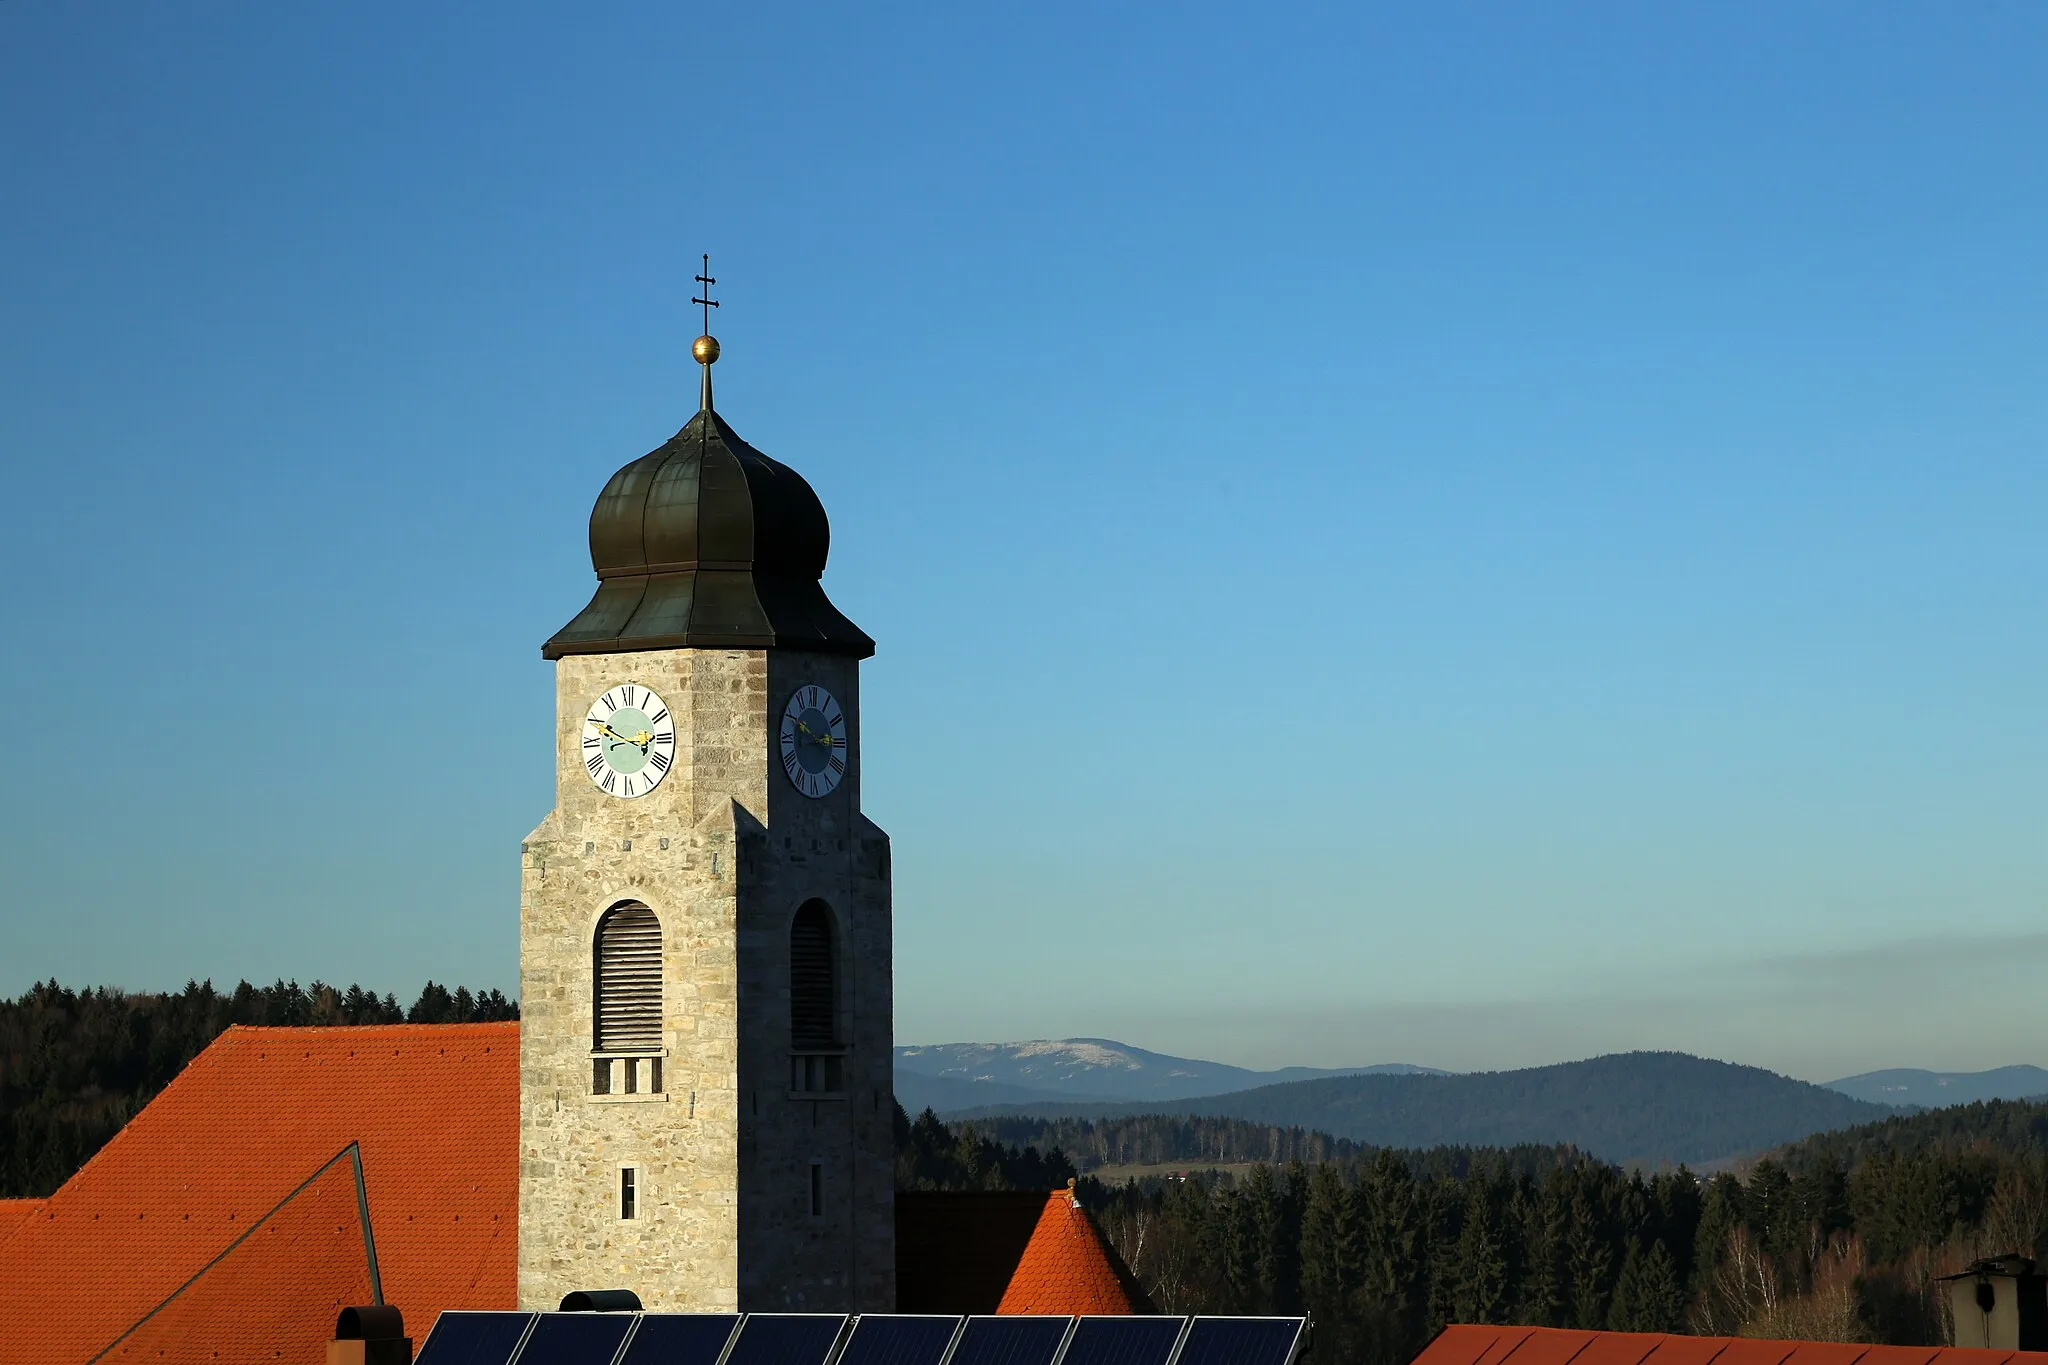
(76, 1065)
(1839, 1237)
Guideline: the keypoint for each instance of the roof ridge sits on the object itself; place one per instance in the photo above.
(124, 1135)
(365, 1030)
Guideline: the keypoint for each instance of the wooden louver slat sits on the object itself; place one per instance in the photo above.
(629, 980)
(813, 994)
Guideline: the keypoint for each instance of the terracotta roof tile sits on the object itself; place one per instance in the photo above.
(1068, 1267)
(15, 1212)
(435, 1109)
(1465, 1344)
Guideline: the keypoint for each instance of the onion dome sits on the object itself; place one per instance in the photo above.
(706, 543)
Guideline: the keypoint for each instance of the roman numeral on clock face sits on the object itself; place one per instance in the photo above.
(628, 744)
(813, 740)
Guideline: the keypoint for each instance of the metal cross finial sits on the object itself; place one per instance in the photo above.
(707, 280)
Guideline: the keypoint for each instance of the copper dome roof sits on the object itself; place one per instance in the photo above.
(706, 543)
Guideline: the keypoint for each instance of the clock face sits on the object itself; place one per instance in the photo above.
(629, 742)
(814, 740)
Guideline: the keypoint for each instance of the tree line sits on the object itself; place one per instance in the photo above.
(1840, 1238)
(77, 1064)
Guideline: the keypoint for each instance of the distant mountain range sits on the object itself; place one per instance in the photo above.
(1653, 1108)
(1648, 1107)
(1938, 1089)
(954, 1076)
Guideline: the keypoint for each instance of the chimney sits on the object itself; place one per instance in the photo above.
(370, 1335)
(2000, 1304)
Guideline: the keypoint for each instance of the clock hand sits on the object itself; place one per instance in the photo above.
(639, 741)
(829, 741)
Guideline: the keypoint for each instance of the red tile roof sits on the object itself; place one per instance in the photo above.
(435, 1109)
(1069, 1267)
(1470, 1345)
(242, 1145)
(1006, 1252)
(15, 1212)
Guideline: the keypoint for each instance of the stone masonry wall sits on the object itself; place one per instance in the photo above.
(723, 851)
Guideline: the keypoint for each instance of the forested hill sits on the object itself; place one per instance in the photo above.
(1841, 1238)
(1655, 1108)
(1206, 1143)
(76, 1065)
(2008, 1129)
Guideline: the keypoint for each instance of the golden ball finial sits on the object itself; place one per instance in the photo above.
(705, 348)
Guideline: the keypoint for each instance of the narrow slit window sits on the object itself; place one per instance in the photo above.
(817, 1189)
(629, 1193)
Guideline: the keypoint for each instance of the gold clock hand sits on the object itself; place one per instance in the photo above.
(641, 742)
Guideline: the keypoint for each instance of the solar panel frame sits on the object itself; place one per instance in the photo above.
(740, 1352)
(1123, 1339)
(867, 1326)
(653, 1325)
(554, 1335)
(967, 1352)
(1189, 1351)
(439, 1349)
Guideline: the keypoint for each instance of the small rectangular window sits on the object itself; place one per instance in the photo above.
(601, 1076)
(654, 1075)
(632, 1065)
(817, 1189)
(629, 1192)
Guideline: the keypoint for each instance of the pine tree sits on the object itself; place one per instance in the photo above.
(1721, 1212)
(1331, 1244)
(1480, 1275)
(1541, 1295)
(1392, 1217)
(1589, 1259)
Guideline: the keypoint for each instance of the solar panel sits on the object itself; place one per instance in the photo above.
(1122, 1341)
(680, 1339)
(898, 1339)
(465, 1338)
(1240, 1341)
(1010, 1341)
(576, 1339)
(786, 1338)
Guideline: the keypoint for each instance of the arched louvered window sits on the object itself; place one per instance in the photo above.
(628, 979)
(813, 979)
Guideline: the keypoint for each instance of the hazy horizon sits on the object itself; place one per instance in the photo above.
(1469, 537)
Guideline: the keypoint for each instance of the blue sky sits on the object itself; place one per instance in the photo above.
(1468, 534)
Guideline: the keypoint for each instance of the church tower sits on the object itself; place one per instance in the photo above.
(706, 1108)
